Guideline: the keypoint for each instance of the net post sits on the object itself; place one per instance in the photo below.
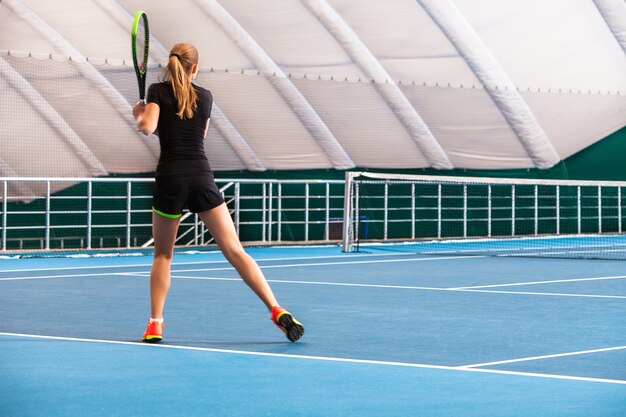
(536, 210)
(47, 246)
(412, 210)
(269, 212)
(327, 213)
(356, 209)
(439, 220)
(558, 209)
(513, 210)
(306, 212)
(237, 204)
(89, 212)
(264, 214)
(599, 209)
(347, 211)
(489, 210)
(279, 215)
(385, 211)
(128, 213)
(465, 210)
(578, 204)
(619, 209)
(4, 214)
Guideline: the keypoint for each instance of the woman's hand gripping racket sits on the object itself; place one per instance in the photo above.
(140, 35)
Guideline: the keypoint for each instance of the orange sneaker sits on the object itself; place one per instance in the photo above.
(154, 332)
(292, 328)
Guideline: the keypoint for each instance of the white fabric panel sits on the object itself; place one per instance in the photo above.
(115, 11)
(264, 63)
(293, 37)
(495, 80)
(39, 105)
(79, 22)
(27, 136)
(363, 123)
(89, 113)
(234, 141)
(220, 155)
(406, 41)
(614, 13)
(472, 131)
(549, 44)
(17, 35)
(385, 86)
(114, 101)
(270, 126)
(184, 21)
(576, 121)
(15, 189)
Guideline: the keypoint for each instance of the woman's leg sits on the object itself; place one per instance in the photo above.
(164, 232)
(221, 227)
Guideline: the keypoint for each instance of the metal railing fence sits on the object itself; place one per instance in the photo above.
(93, 213)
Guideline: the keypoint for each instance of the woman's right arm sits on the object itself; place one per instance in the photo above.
(147, 117)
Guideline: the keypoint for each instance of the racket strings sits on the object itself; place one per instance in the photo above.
(146, 42)
(140, 43)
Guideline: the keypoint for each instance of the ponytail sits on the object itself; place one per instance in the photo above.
(181, 61)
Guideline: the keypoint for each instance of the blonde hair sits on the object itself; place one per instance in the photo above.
(183, 56)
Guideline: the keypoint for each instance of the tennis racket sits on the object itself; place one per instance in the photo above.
(140, 35)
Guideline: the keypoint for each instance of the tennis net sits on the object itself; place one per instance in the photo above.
(484, 216)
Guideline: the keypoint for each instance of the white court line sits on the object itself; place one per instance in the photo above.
(145, 274)
(323, 358)
(540, 282)
(100, 274)
(230, 268)
(441, 258)
(339, 284)
(550, 294)
(534, 358)
(400, 287)
(222, 261)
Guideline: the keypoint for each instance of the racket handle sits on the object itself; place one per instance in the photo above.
(143, 101)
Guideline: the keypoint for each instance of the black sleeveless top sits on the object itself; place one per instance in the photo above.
(181, 140)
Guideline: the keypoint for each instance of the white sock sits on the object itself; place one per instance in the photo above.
(160, 321)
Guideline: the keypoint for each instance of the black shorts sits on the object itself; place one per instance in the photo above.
(173, 194)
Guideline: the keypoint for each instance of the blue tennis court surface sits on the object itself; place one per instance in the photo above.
(387, 334)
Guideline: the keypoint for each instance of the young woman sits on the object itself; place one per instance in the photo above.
(181, 111)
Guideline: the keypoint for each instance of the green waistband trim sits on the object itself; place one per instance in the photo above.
(170, 216)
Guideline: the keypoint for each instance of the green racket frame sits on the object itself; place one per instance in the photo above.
(141, 65)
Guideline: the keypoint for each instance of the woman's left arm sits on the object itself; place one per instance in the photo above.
(147, 117)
